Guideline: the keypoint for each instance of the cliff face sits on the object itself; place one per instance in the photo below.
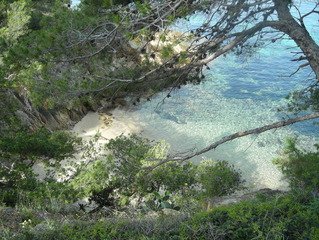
(63, 117)
(34, 117)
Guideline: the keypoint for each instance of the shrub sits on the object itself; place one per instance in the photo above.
(129, 173)
(301, 168)
(18, 153)
(218, 178)
(276, 218)
(39, 144)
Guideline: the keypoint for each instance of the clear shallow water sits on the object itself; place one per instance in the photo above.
(238, 94)
(217, 108)
(75, 2)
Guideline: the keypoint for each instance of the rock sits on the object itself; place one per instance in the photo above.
(24, 118)
(10, 218)
(50, 120)
(261, 144)
(106, 119)
(242, 196)
(63, 118)
(104, 102)
(120, 102)
(69, 209)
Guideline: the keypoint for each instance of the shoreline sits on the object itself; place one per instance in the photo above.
(105, 126)
(124, 121)
(110, 125)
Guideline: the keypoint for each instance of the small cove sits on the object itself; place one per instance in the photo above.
(239, 93)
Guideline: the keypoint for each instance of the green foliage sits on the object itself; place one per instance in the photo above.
(158, 202)
(301, 168)
(307, 99)
(18, 178)
(93, 6)
(125, 173)
(138, 228)
(94, 178)
(18, 153)
(129, 173)
(49, 195)
(167, 52)
(143, 7)
(218, 178)
(16, 22)
(173, 176)
(272, 218)
(33, 36)
(21, 187)
(41, 143)
(277, 218)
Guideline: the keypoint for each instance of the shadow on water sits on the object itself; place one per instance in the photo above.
(251, 155)
(234, 154)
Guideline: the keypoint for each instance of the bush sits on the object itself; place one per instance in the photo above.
(163, 227)
(301, 169)
(218, 178)
(39, 144)
(129, 173)
(277, 218)
(18, 153)
(274, 218)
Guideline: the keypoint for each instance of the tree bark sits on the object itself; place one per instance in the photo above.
(297, 32)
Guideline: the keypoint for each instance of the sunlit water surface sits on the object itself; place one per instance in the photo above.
(238, 94)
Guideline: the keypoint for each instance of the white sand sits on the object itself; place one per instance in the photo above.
(91, 125)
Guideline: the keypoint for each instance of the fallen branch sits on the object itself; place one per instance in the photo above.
(238, 135)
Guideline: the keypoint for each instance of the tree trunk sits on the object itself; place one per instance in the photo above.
(298, 33)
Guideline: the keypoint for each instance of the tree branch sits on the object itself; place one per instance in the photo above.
(238, 135)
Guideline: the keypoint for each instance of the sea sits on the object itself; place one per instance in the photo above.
(238, 93)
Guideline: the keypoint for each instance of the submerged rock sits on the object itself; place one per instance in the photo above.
(261, 144)
(170, 117)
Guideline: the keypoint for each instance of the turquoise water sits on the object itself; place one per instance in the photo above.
(75, 2)
(239, 93)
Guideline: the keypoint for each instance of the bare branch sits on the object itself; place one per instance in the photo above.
(300, 67)
(238, 135)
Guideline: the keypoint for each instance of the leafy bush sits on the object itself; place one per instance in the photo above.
(30, 192)
(277, 218)
(40, 143)
(18, 153)
(94, 178)
(123, 175)
(173, 176)
(301, 168)
(273, 218)
(265, 217)
(166, 227)
(19, 178)
(129, 173)
(49, 196)
(218, 178)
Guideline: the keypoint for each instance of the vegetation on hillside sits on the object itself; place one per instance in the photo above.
(54, 59)
(126, 199)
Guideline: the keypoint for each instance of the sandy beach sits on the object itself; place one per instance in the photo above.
(95, 129)
(109, 126)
